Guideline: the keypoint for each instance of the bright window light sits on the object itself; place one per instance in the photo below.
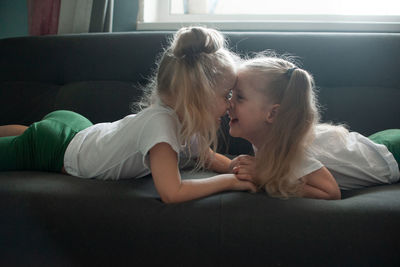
(287, 7)
(276, 15)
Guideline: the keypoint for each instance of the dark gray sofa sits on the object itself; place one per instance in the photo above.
(49, 219)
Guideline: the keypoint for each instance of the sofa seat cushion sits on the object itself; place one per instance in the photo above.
(96, 222)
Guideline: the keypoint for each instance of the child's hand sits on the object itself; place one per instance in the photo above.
(235, 162)
(243, 185)
(244, 167)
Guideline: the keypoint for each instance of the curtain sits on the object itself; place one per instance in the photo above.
(80, 16)
(69, 16)
(102, 16)
(43, 16)
(75, 16)
(140, 14)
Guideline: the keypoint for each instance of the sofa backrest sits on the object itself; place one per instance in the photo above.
(99, 75)
(357, 74)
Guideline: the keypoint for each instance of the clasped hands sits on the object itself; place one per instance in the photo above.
(244, 167)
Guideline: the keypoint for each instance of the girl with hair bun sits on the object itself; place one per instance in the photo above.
(188, 96)
(274, 107)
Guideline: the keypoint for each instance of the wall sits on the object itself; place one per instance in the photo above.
(125, 13)
(14, 17)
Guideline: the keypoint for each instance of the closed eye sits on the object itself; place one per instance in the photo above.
(239, 97)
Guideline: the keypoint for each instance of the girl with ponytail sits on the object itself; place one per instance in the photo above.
(188, 96)
(273, 106)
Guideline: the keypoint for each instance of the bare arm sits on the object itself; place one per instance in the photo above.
(320, 184)
(167, 179)
(218, 163)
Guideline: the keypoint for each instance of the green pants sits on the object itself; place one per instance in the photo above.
(391, 139)
(43, 144)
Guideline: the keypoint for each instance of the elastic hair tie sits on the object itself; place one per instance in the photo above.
(289, 72)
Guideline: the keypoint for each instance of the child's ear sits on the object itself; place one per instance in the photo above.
(271, 114)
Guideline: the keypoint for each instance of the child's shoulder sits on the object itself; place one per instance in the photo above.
(330, 131)
(154, 116)
(155, 111)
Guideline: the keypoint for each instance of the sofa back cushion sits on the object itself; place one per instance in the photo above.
(99, 101)
(99, 75)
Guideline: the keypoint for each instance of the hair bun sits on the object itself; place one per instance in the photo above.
(192, 41)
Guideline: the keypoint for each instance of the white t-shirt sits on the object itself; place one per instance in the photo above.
(118, 150)
(355, 161)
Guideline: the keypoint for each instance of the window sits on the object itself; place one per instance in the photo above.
(289, 15)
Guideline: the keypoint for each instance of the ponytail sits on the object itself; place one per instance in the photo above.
(284, 144)
(186, 78)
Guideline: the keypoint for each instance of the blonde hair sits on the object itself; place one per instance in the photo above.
(186, 78)
(292, 130)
